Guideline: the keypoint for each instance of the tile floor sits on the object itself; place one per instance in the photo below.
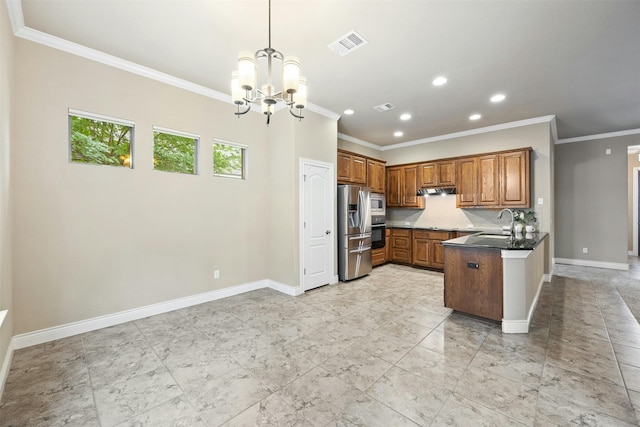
(379, 351)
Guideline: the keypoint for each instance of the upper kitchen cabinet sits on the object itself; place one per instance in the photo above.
(402, 187)
(376, 175)
(438, 174)
(494, 180)
(352, 168)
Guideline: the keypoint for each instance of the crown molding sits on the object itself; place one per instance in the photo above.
(599, 136)
(359, 142)
(20, 30)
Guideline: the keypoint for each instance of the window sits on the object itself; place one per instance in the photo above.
(100, 140)
(229, 159)
(175, 151)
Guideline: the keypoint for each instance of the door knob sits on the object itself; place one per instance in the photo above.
(327, 232)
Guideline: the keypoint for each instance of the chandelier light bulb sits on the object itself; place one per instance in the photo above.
(300, 98)
(290, 74)
(247, 70)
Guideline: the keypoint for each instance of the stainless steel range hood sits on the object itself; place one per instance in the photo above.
(436, 191)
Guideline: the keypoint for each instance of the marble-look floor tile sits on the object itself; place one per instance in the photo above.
(269, 412)
(557, 411)
(319, 396)
(227, 395)
(627, 355)
(510, 398)
(114, 336)
(386, 346)
(601, 396)
(279, 367)
(590, 345)
(43, 377)
(431, 365)
(459, 411)
(196, 374)
(412, 396)
(73, 408)
(631, 375)
(120, 401)
(518, 367)
(589, 364)
(634, 396)
(60, 351)
(356, 367)
(370, 413)
(173, 413)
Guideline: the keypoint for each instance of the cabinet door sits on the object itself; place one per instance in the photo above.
(467, 185)
(446, 173)
(421, 252)
(394, 195)
(410, 191)
(358, 170)
(375, 176)
(437, 254)
(488, 181)
(514, 179)
(344, 168)
(387, 244)
(377, 257)
(428, 175)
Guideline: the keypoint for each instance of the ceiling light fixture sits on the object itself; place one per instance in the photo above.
(498, 97)
(398, 133)
(439, 81)
(244, 85)
(474, 117)
(405, 116)
(349, 111)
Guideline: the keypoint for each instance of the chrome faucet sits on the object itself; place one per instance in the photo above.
(511, 212)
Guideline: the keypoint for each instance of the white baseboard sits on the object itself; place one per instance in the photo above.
(63, 331)
(6, 366)
(591, 263)
(334, 279)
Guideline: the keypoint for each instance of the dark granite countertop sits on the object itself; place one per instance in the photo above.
(526, 241)
(462, 229)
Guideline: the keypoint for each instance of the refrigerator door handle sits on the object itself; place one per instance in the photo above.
(360, 250)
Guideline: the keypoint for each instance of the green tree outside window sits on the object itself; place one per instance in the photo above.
(174, 153)
(228, 160)
(99, 142)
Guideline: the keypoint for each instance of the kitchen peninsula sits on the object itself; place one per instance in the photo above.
(495, 276)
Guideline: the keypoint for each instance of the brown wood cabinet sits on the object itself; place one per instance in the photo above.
(378, 257)
(352, 168)
(401, 245)
(427, 248)
(438, 174)
(473, 281)
(402, 187)
(376, 176)
(495, 180)
(387, 245)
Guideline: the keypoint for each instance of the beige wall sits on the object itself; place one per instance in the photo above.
(633, 162)
(6, 85)
(94, 240)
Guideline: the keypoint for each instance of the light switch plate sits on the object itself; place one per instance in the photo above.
(540, 200)
(607, 151)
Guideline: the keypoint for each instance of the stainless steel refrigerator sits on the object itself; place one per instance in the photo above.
(354, 231)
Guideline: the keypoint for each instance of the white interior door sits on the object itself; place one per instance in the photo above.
(317, 224)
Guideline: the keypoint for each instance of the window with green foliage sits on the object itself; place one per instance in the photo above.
(99, 140)
(229, 159)
(175, 151)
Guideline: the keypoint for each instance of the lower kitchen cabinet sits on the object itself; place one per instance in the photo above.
(387, 245)
(473, 281)
(401, 245)
(378, 257)
(427, 248)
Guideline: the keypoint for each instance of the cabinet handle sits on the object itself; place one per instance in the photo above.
(473, 265)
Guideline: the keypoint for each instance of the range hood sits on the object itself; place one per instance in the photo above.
(433, 191)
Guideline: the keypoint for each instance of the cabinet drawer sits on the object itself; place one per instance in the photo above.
(431, 234)
(400, 242)
(401, 232)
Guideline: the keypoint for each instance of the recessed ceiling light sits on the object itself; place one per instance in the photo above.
(398, 133)
(349, 111)
(474, 117)
(439, 81)
(405, 116)
(498, 97)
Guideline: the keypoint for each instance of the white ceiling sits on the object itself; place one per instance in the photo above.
(578, 60)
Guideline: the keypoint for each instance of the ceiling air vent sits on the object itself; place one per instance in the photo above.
(384, 107)
(347, 43)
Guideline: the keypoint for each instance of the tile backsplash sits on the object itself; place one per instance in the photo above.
(441, 211)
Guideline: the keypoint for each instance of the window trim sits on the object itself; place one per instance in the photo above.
(102, 118)
(245, 156)
(196, 147)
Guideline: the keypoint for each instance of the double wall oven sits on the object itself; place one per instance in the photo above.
(378, 220)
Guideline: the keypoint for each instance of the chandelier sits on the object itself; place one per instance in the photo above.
(244, 82)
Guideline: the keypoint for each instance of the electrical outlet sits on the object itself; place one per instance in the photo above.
(216, 274)
(585, 250)
(607, 151)
(540, 200)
